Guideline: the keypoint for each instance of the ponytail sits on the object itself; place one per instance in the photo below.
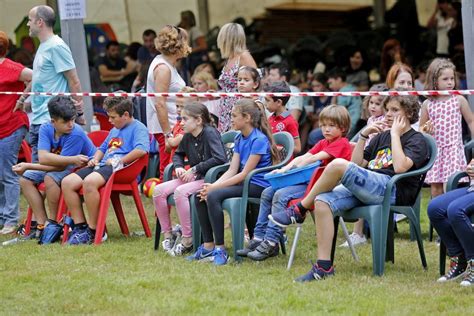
(256, 111)
(198, 110)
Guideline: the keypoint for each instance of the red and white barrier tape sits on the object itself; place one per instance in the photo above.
(247, 95)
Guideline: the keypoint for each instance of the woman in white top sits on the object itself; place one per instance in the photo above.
(172, 43)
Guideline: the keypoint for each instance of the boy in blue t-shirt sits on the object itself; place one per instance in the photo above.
(62, 146)
(127, 141)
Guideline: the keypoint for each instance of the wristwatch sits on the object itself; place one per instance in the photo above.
(169, 135)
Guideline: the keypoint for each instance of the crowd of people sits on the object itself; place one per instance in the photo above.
(386, 135)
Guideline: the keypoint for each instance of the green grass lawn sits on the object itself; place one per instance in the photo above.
(125, 276)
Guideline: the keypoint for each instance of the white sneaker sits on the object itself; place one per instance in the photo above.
(8, 229)
(356, 239)
(168, 244)
(400, 217)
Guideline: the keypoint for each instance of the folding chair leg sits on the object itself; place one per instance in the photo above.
(293, 247)
(349, 242)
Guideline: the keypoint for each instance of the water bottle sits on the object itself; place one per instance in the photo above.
(12, 241)
(95, 126)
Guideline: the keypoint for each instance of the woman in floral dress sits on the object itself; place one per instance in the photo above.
(232, 45)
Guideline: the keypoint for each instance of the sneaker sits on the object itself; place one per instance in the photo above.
(291, 215)
(251, 246)
(264, 251)
(8, 229)
(21, 229)
(81, 236)
(316, 274)
(202, 254)
(468, 279)
(356, 239)
(51, 233)
(456, 270)
(220, 256)
(168, 243)
(400, 217)
(180, 249)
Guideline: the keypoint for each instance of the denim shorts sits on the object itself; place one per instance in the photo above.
(37, 176)
(358, 187)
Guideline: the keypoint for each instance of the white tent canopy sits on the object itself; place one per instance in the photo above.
(130, 18)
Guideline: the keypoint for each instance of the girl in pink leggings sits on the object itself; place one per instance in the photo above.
(203, 148)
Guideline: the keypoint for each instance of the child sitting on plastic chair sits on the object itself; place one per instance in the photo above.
(127, 142)
(62, 146)
(335, 123)
(345, 185)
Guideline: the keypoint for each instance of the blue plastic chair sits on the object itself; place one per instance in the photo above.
(453, 184)
(237, 207)
(228, 140)
(381, 221)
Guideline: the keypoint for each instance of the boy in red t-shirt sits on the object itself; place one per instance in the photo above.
(335, 123)
(281, 120)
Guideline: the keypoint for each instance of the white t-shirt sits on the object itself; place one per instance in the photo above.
(176, 83)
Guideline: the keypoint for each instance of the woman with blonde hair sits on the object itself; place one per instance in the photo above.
(232, 45)
(172, 43)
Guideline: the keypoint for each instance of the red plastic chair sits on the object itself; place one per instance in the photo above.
(25, 152)
(124, 182)
(97, 138)
(29, 214)
(103, 119)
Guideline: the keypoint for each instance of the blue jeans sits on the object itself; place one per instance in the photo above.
(275, 202)
(34, 137)
(37, 176)
(9, 186)
(358, 187)
(449, 213)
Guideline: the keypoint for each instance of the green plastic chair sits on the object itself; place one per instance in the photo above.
(228, 140)
(380, 217)
(453, 184)
(237, 207)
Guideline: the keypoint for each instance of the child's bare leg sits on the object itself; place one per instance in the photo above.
(436, 189)
(324, 229)
(53, 191)
(359, 227)
(71, 186)
(328, 180)
(35, 200)
(92, 184)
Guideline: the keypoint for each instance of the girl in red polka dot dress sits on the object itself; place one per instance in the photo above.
(441, 117)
